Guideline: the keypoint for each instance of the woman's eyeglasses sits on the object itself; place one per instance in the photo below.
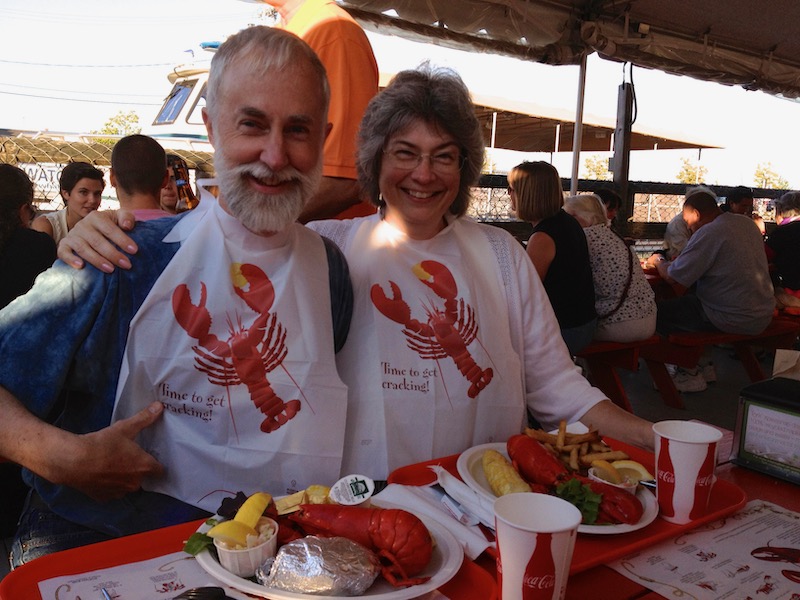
(446, 163)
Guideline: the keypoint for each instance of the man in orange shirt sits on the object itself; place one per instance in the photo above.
(344, 49)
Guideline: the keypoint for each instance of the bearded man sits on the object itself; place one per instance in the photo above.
(132, 398)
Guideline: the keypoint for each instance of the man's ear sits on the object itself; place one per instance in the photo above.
(328, 129)
(209, 125)
(165, 181)
(112, 178)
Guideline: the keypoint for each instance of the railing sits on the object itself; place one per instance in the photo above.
(654, 204)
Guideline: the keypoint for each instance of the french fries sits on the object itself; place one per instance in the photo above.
(576, 450)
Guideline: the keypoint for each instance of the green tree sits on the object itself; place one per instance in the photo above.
(690, 173)
(121, 124)
(765, 177)
(597, 168)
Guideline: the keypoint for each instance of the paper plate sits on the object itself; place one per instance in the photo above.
(444, 564)
(471, 471)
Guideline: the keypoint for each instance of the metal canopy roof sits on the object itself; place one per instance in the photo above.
(735, 42)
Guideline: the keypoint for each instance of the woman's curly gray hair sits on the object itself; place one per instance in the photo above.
(436, 96)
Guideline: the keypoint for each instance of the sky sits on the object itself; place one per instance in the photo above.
(70, 66)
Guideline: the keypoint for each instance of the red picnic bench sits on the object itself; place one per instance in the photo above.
(685, 349)
(603, 359)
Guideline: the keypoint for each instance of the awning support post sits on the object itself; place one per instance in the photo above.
(577, 137)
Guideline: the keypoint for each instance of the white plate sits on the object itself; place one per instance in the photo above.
(444, 564)
(471, 470)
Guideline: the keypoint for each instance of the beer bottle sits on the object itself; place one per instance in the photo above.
(186, 198)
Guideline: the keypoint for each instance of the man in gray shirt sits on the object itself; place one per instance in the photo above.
(725, 265)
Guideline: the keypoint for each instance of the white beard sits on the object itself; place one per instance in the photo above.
(262, 213)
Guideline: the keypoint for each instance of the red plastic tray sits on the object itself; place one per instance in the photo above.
(592, 550)
(471, 582)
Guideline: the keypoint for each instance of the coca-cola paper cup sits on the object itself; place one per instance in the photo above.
(535, 539)
(686, 457)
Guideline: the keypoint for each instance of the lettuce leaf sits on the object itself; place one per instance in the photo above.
(582, 496)
(198, 542)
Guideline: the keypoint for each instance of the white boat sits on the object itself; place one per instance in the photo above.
(178, 125)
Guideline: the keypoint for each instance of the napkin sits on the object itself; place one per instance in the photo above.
(423, 501)
(479, 506)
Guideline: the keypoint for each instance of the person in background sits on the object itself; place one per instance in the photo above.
(783, 251)
(139, 174)
(24, 254)
(677, 232)
(149, 360)
(557, 248)
(624, 300)
(169, 193)
(81, 187)
(611, 201)
(344, 49)
(177, 196)
(739, 201)
(724, 261)
(453, 337)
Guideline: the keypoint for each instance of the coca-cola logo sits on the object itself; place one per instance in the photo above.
(666, 476)
(539, 582)
(705, 481)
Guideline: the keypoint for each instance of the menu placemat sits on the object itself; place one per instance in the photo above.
(754, 553)
(161, 577)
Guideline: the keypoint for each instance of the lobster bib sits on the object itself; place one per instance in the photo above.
(236, 340)
(428, 361)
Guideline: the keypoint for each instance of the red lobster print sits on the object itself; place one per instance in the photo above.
(447, 332)
(249, 353)
(776, 554)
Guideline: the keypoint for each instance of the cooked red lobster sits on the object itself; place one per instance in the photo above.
(399, 538)
(540, 468)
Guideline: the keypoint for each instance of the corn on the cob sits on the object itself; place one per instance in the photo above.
(501, 474)
(317, 494)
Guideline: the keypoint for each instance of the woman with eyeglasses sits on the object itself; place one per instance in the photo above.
(453, 338)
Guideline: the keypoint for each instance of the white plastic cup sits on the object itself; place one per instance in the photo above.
(246, 561)
(535, 539)
(686, 458)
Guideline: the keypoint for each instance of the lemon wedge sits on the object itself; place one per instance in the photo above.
(232, 533)
(252, 509)
(606, 471)
(632, 471)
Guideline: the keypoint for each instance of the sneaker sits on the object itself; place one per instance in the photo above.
(687, 380)
(709, 372)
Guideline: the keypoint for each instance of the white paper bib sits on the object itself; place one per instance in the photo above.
(236, 340)
(429, 365)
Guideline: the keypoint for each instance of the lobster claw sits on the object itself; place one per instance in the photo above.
(437, 277)
(618, 506)
(196, 320)
(253, 286)
(394, 308)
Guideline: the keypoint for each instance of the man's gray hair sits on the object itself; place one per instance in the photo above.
(263, 49)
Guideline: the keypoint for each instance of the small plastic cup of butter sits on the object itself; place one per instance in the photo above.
(244, 561)
(353, 490)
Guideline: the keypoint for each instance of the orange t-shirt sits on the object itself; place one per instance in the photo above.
(344, 49)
